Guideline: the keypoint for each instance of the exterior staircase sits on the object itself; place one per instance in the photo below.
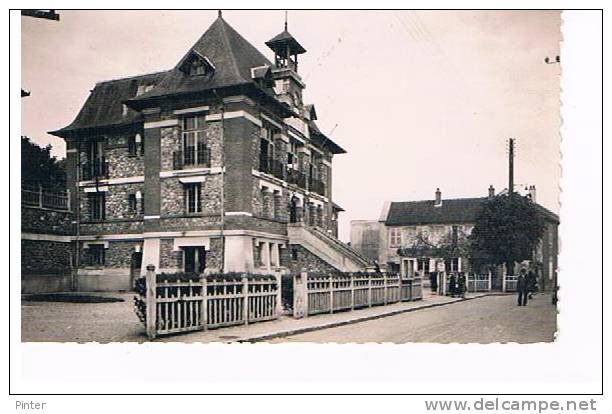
(328, 248)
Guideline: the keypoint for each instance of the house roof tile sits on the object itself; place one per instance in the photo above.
(104, 106)
(459, 210)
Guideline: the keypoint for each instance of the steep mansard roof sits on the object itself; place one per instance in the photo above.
(231, 55)
(104, 105)
(234, 60)
(459, 210)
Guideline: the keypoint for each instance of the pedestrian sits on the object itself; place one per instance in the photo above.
(452, 285)
(522, 288)
(461, 285)
(532, 283)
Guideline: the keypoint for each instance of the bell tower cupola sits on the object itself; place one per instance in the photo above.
(286, 50)
(288, 83)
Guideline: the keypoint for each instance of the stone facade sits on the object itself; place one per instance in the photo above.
(46, 257)
(46, 221)
(172, 194)
(297, 259)
(46, 250)
(119, 254)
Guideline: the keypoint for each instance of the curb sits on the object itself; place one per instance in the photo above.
(291, 332)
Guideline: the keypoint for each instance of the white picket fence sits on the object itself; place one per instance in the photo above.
(174, 306)
(509, 283)
(329, 293)
(479, 282)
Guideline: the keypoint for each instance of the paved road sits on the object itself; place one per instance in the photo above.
(484, 320)
(81, 322)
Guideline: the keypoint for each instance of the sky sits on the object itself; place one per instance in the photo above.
(419, 99)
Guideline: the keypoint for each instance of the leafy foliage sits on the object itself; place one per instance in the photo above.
(38, 167)
(506, 231)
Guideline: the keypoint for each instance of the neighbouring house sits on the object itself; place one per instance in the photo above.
(426, 233)
(216, 165)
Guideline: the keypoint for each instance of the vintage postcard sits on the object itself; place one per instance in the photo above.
(357, 186)
(306, 201)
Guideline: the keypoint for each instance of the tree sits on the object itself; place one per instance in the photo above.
(38, 167)
(507, 230)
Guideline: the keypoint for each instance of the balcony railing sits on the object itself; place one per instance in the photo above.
(272, 167)
(317, 186)
(191, 157)
(296, 177)
(38, 197)
(95, 169)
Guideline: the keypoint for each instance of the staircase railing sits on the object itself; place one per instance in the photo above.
(344, 247)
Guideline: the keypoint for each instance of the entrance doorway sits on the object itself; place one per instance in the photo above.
(135, 265)
(194, 259)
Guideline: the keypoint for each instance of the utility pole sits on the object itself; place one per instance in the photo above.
(511, 166)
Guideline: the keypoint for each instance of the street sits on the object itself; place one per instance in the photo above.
(484, 320)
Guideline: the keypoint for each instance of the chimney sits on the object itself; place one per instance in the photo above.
(438, 202)
(491, 191)
(532, 193)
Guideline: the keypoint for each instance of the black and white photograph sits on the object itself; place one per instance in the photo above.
(282, 177)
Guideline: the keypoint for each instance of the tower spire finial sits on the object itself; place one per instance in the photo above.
(220, 13)
(285, 20)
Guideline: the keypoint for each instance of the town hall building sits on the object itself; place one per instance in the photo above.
(216, 165)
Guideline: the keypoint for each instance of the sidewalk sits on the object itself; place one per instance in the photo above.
(287, 325)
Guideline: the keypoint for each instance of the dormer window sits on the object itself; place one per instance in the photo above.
(196, 64)
(197, 68)
(143, 89)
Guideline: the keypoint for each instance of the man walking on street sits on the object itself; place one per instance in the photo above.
(532, 283)
(522, 288)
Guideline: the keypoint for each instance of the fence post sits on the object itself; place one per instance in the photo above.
(443, 283)
(385, 290)
(40, 198)
(245, 295)
(68, 206)
(331, 293)
(300, 295)
(369, 290)
(279, 295)
(352, 285)
(151, 302)
(204, 306)
(490, 280)
(504, 278)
